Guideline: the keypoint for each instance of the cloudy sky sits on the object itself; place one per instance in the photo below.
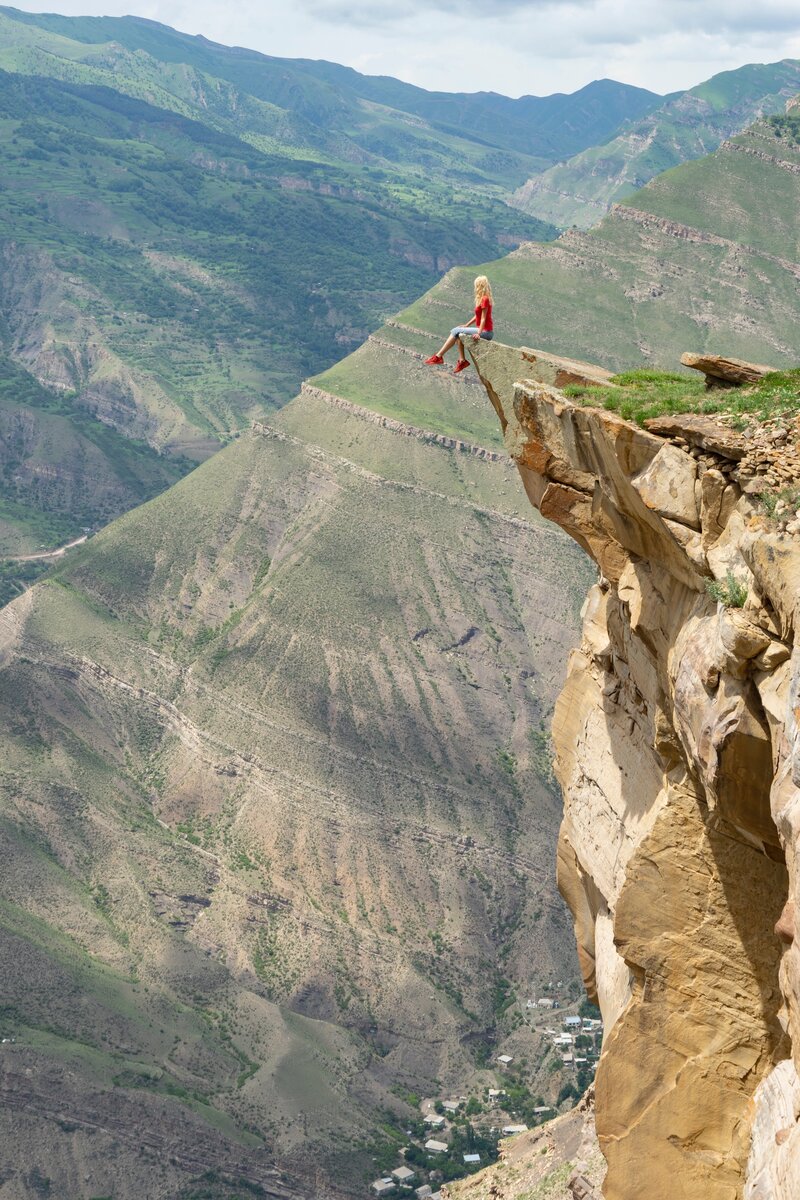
(509, 46)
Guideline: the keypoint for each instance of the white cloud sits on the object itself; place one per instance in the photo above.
(510, 46)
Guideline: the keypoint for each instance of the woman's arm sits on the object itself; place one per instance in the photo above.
(476, 336)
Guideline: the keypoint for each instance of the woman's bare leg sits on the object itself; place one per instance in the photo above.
(462, 356)
(448, 345)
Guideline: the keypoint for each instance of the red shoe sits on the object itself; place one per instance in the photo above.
(461, 365)
(435, 360)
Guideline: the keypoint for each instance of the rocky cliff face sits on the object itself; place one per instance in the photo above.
(678, 753)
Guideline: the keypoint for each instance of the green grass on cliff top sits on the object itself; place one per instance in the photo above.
(639, 395)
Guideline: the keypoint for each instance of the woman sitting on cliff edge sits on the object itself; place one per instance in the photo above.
(479, 326)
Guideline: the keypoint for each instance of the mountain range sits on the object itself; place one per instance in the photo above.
(277, 808)
(188, 230)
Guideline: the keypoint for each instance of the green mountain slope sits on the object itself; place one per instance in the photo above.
(176, 281)
(684, 127)
(188, 230)
(706, 257)
(187, 257)
(277, 807)
(63, 473)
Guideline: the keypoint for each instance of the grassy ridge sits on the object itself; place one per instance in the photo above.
(638, 395)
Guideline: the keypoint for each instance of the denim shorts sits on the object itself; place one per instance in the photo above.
(464, 330)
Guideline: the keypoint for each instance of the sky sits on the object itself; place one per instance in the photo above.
(515, 47)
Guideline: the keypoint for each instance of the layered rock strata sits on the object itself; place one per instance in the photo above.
(678, 752)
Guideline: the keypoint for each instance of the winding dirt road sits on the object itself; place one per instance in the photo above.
(59, 553)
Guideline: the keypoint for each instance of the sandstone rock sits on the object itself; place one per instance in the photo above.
(775, 654)
(725, 372)
(786, 923)
(512, 363)
(718, 719)
(773, 1168)
(726, 554)
(677, 741)
(775, 563)
(690, 542)
(675, 1080)
(572, 510)
(740, 637)
(700, 431)
(717, 501)
(667, 484)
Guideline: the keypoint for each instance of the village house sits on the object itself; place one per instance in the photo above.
(510, 1130)
(435, 1121)
(505, 1060)
(434, 1147)
(383, 1187)
(451, 1105)
(472, 1158)
(403, 1175)
(424, 1192)
(546, 1002)
(572, 1023)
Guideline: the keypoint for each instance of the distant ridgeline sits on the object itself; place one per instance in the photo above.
(686, 126)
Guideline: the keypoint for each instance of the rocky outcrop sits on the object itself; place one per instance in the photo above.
(678, 752)
(722, 371)
(559, 1160)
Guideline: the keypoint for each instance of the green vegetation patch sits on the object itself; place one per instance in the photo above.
(732, 592)
(787, 126)
(638, 395)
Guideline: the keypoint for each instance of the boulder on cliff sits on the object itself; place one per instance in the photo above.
(721, 372)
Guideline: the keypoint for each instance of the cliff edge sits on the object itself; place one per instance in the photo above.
(677, 747)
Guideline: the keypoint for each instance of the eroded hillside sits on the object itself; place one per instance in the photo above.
(676, 749)
(272, 741)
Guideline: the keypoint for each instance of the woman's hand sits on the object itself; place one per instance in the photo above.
(476, 337)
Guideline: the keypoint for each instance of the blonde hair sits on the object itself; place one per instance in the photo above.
(483, 288)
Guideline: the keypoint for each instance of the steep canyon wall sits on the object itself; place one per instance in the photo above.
(678, 753)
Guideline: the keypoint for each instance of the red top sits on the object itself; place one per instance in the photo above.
(484, 304)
